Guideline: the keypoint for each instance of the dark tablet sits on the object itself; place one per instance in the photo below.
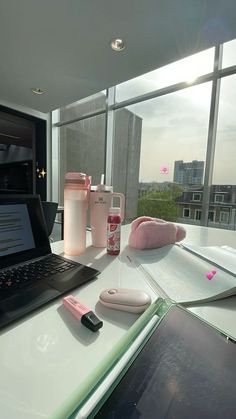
(187, 370)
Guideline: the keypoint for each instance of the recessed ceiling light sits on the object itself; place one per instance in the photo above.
(37, 90)
(117, 44)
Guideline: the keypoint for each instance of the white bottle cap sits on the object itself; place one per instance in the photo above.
(101, 188)
(114, 210)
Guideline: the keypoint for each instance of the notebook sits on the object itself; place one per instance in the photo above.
(186, 370)
(30, 274)
(180, 273)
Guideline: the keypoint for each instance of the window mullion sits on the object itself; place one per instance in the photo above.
(110, 121)
(211, 142)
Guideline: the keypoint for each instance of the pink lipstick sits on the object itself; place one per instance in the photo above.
(86, 316)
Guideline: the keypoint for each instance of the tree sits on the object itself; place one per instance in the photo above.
(160, 204)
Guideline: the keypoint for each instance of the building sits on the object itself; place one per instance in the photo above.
(190, 173)
(222, 208)
(82, 148)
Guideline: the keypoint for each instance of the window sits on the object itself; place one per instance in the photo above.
(187, 69)
(224, 163)
(82, 149)
(157, 143)
(168, 131)
(83, 107)
(186, 213)
(219, 198)
(229, 54)
(211, 216)
(224, 217)
(198, 214)
(196, 197)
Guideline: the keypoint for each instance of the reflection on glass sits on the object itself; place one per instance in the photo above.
(223, 199)
(187, 69)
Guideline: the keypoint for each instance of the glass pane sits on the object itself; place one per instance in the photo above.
(229, 54)
(223, 193)
(83, 107)
(82, 149)
(187, 69)
(127, 140)
(168, 148)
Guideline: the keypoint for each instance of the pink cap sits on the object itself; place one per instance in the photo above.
(81, 179)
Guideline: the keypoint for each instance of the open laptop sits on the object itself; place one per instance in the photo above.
(30, 274)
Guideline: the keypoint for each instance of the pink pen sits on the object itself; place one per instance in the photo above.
(82, 313)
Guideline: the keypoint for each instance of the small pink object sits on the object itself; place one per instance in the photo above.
(86, 316)
(164, 170)
(151, 233)
(213, 271)
(209, 275)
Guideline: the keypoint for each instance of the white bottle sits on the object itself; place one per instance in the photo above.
(76, 194)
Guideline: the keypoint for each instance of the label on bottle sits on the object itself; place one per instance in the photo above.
(113, 237)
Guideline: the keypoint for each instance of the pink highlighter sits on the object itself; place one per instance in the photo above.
(82, 313)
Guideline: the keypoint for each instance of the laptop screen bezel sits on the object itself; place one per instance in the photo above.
(39, 230)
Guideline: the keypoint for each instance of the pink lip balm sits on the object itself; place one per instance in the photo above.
(86, 316)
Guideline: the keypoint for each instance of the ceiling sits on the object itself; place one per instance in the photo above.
(63, 47)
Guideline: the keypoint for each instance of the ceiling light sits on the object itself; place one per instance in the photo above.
(37, 90)
(117, 44)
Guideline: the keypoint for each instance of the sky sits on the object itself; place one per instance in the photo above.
(175, 126)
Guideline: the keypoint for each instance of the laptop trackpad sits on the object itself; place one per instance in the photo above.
(18, 305)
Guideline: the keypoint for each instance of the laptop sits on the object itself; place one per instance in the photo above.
(30, 274)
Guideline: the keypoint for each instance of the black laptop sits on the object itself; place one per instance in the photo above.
(30, 274)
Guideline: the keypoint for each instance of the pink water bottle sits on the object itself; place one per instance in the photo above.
(113, 231)
(76, 195)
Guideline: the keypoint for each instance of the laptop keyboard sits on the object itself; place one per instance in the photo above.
(32, 272)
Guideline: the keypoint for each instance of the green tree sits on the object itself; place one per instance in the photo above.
(160, 204)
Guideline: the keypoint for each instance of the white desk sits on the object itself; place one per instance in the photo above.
(47, 357)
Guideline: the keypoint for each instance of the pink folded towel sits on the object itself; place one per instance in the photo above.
(149, 233)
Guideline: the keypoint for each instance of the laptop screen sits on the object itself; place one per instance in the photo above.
(23, 233)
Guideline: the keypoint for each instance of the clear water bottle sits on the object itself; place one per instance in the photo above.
(76, 195)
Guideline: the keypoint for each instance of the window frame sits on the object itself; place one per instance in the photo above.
(198, 194)
(215, 77)
(195, 214)
(217, 195)
(225, 213)
(188, 209)
(214, 216)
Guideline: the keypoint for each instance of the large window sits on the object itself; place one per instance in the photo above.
(160, 138)
(173, 129)
(185, 70)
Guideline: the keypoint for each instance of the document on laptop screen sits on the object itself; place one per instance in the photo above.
(15, 229)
